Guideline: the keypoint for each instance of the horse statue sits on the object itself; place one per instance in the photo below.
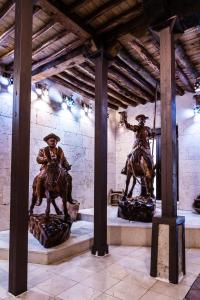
(55, 185)
(137, 167)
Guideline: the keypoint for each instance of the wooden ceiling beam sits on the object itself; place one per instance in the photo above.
(112, 91)
(77, 5)
(76, 89)
(11, 28)
(153, 64)
(59, 64)
(134, 76)
(180, 74)
(66, 49)
(103, 9)
(89, 87)
(138, 68)
(44, 29)
(6, 8)
(122, 18)
(129, 97)
(70, 21)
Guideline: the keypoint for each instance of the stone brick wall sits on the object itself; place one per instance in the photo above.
(189, 147)
(76, 130)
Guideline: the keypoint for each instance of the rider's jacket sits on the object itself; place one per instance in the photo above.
(143, 134)
(48, 154)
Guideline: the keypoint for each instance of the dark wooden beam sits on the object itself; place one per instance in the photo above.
(6, 8)
(134, 76)
(112, 92)
(119, 77)
(101, 10)
(100, 246)
(58, 64)
(180, 75)
(129, 97)
(70, 21)
(138, 68)
(66, 49)
(11, 28)
(62, 81)
(18, 253)
(86, 85)
(44, 29)
(77, 5)
(122, 18)
(168, 124)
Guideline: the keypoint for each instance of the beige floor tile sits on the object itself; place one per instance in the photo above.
(140, 279)
(124, 250)
(95, 264)
(188, 279)
(155, 296)
(177, 291)
(116, 271)
(79, 292)
(105, 297)
(3, 293)
(100, 282)
(193, 268)
(35, 295)
(56, 285)
(136, 264)
(77, 273)
(126, 291)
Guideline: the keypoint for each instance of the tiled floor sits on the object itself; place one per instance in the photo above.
(124, 274)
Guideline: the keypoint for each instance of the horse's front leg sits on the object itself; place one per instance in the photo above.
(47, 211)
(58, 211)
(131, 190)
(66, 214)
(33, 202)
(128, 177)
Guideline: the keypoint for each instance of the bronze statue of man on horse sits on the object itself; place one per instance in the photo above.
(139, 162)
(53, 180)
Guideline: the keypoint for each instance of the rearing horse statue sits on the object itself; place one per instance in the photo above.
(140, 161)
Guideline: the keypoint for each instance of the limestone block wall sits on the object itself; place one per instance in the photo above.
(189, 146)
(76, 130)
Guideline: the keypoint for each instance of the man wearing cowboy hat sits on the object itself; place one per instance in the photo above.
(52, 153)
(143, 134)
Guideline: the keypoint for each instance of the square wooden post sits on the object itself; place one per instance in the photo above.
(20, 148)
(100, 246)
(168, 246)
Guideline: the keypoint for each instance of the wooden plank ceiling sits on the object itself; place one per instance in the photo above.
(67, 32)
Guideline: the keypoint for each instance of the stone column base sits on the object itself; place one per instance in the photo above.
(168, 249)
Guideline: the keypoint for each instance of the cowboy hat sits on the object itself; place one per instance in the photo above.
(141, 117)
(51, 136)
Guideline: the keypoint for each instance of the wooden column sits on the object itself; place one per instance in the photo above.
(100, 246)
(20, 148)
(168, 231)
(168, 123)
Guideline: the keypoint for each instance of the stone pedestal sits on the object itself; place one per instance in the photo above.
(168, 249)
(49, 232)
(137, 209)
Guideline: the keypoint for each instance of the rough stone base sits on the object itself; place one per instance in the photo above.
(49, 232)
(137, 209)
(168, 249)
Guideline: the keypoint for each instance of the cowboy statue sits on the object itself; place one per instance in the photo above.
(139, 162)
(54, 154)
(141, 146)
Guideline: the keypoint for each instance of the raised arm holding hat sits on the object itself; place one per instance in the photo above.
(141, 146)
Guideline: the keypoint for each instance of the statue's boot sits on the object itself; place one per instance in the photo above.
(39, 191)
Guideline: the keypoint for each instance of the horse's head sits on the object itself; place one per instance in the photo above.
(53, 172)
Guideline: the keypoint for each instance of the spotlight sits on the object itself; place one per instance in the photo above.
(90, 108)
(38, 89)
(70, 101)
(10, 86)
(196, 106)
(197, 86)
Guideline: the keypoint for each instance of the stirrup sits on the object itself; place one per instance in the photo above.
(38, 202)
(124, 171)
